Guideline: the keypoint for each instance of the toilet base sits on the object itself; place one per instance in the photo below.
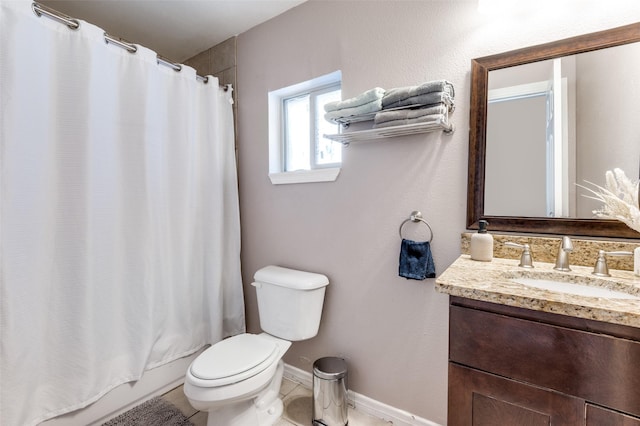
(263, 410)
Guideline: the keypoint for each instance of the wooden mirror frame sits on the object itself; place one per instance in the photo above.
(480, 68)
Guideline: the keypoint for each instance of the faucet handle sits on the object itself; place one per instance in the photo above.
(601, 269)
(526, 261)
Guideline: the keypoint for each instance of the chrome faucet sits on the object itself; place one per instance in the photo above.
(601, 269)
(526, 261)
(562, 261)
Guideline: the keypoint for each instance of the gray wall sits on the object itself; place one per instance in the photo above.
(392, 331)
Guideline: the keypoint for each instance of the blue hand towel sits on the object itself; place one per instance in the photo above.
(416, 262)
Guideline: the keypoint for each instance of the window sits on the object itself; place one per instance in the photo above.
(298, 151)
(304, 125)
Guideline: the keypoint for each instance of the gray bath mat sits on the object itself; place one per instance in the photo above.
(155, 412)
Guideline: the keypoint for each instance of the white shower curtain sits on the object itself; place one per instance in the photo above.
(119, 221)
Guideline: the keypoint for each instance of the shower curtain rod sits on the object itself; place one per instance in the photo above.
(74, 24)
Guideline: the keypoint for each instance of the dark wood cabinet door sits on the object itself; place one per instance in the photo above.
(592, 366)
(482, 399)
(598, 416)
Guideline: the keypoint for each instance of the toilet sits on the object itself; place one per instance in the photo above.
(237, 380)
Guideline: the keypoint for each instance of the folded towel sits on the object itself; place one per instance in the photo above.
(371, 107)
(404, 114)
(400, 93)
(420, 100)
(362, 99)
(416, 261)
(422, 119)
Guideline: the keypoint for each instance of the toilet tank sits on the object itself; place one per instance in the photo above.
(289, 301)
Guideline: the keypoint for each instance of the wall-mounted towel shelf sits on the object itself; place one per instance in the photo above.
(389, 132)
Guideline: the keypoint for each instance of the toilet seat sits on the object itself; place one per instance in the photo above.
(234, 359)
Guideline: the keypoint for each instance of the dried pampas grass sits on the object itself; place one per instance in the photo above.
(620, 198)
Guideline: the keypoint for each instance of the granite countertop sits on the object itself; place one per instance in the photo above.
(491, 282)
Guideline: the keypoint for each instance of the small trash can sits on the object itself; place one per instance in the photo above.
(330, 392)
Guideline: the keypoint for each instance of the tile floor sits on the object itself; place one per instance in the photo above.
(297, 408)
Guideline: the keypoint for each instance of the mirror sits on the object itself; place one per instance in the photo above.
(546, 118)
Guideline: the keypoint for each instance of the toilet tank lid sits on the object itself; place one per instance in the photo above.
(290, 278)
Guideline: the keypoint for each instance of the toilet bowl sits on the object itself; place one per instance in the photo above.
(237, 380)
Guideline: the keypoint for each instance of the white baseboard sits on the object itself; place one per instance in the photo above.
(297, 375)
(363, 403)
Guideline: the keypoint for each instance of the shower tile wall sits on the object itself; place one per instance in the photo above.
(219, 61)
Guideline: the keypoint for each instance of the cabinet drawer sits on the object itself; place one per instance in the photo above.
(595, 367)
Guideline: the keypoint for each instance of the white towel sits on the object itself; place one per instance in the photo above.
(370, 95)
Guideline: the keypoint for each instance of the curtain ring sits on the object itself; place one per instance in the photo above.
(40, 10)
(416, 216)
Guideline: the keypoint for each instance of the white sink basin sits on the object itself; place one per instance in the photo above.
(572, 288)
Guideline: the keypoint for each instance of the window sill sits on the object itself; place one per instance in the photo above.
(305, 176)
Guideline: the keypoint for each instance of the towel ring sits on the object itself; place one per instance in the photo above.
(416, 216)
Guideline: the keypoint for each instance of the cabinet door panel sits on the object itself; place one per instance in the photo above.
(490, 411)
(481, 399)
(591, 366)
(598, 416)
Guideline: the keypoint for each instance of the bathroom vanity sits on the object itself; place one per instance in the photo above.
(529, 356)
(519, 352)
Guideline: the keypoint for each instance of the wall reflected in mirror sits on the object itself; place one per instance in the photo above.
(559, 122)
